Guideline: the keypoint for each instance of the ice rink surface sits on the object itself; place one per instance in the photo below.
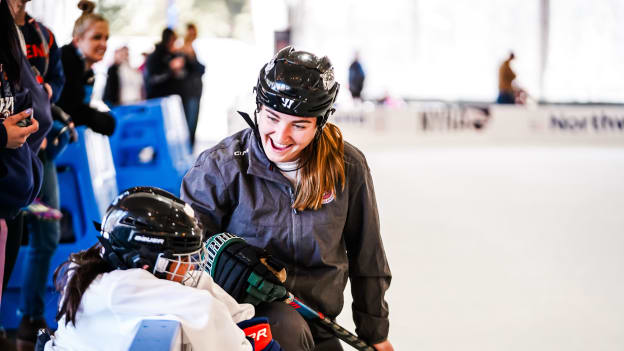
(501, 248)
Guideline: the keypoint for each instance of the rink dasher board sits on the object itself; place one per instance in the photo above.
(441, 123)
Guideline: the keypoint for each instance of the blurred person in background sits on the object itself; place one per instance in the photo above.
(124, 84)
(506, 77)
(193, 87)
(88, 46)
(43, 214)
(24, 122)
(291, 185)
(356, 78)
(165, 70)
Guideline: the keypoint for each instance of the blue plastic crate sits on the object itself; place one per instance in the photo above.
(151, 145)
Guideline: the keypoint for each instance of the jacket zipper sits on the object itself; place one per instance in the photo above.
(293, 215)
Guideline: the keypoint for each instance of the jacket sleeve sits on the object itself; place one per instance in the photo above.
(368, 267)
(100, 122)
(55, 75)
(196, 67)
(204, 189)
(20, 179)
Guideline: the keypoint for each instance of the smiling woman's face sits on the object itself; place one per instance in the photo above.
(284, 136)
(92, 43)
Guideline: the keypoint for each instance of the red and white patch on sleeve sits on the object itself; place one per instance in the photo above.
(328, 197)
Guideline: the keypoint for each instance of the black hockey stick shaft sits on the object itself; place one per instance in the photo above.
(340, 332)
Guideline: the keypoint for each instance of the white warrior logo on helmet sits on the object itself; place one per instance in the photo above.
(328, 79)
(287, 102)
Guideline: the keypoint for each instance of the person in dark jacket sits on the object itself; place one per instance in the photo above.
(88, 46)
(165, 68)
(356, 78)
(24, 122)
(43, 215)
(292, 186)
(168, 71)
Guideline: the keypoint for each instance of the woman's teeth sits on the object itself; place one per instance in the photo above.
(278, 145)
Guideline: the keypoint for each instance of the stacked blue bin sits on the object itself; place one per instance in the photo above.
(151, 145)
(87, 185)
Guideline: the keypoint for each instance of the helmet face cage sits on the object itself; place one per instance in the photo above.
(184, 268)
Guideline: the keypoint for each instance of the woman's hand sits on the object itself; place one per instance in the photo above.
(16, 135)
(177, 64)
(384, 346)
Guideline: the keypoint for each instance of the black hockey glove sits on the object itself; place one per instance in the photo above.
(244, 271)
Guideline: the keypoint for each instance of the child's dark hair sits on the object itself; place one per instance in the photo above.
(73, 277)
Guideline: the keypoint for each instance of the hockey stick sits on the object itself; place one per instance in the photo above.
(218, 242)
(312, 315)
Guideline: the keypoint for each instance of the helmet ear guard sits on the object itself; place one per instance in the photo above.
(109, 255)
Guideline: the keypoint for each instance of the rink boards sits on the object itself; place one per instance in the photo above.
(449, 123)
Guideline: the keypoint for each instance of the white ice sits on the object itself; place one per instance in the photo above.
(510, 248)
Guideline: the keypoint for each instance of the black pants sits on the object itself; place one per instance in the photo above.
(14, 241)
(293, 333)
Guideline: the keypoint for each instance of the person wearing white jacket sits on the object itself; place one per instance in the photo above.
(149, 264)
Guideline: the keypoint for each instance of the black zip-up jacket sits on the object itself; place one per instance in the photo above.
(234, 188)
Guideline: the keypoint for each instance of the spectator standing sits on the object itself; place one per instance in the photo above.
(356, 78)
(193, 87)
(167, 72)
(506, 77)
(24, 121)
(124, 84)
(44, 228)
(164, 71)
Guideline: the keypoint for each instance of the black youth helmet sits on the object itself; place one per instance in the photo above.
(298, 83)
(150, 228)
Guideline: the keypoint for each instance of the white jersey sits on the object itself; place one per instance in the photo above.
(115, 303)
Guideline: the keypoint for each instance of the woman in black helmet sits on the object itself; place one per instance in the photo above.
(291, 185)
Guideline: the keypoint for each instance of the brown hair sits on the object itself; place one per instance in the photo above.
(323, 170)
(73, 277)
(86, 19)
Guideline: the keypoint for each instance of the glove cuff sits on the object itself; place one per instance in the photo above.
(215, 245)
(259, 330)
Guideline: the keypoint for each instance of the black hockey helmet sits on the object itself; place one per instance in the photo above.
(298, 83)
(150, 228)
